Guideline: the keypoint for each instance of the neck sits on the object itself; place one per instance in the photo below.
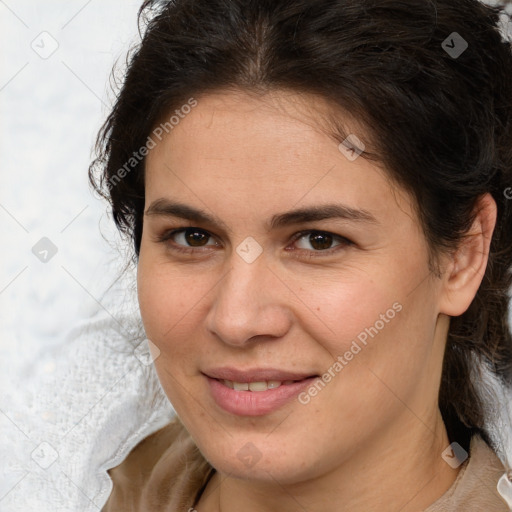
(401, 470)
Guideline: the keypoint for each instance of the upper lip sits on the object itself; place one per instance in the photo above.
(255, 374)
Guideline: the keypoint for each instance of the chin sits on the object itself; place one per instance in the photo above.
(256, 461)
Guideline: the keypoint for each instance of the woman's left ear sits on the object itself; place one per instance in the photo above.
(465, 267)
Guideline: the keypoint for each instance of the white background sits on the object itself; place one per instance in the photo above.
(51, 110)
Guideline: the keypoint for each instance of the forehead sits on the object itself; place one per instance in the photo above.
(259, 124)
(255, 152)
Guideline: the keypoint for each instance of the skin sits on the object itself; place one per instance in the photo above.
(372, 438)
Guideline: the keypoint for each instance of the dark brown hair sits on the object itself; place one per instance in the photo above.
(439, 122)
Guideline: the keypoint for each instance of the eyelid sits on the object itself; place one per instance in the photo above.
(305, 232)
(167, 235)
(343, 241)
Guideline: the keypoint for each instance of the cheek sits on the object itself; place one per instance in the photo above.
(336, 307)
(169, 304)
(171, 301)
(375, 324)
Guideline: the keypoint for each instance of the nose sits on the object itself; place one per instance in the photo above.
(249, 304)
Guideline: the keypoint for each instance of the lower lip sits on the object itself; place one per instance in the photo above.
(255, 403)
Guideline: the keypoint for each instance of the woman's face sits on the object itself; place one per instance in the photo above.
(294, 260)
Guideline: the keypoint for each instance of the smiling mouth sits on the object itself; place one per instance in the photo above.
(267, 391)
(258, 386)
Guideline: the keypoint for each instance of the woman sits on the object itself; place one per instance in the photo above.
(316, 196)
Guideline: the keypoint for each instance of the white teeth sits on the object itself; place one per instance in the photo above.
(258, 386)
(254, 386)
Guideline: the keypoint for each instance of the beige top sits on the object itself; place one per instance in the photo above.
(166, 472)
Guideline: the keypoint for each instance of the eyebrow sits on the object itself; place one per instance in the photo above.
(167, 208)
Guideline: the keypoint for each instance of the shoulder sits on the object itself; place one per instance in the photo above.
(476, 486)
(164, 471)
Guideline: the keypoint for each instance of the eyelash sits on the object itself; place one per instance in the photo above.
(343, 242)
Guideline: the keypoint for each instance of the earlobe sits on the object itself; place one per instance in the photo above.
(467, 264)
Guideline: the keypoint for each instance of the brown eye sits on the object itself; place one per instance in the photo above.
(185, 239)
(320, 241)
(195, 237)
